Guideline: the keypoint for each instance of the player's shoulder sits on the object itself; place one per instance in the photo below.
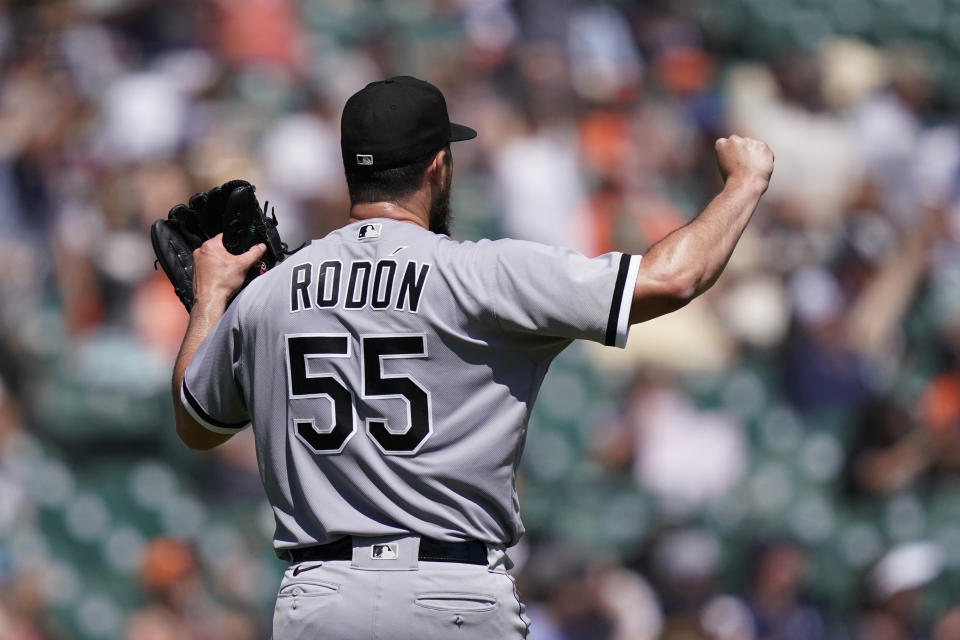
(501, 248)
(486, 245)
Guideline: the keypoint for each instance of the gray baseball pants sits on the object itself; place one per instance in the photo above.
(386, 593)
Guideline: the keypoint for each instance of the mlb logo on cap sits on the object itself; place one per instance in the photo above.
(364, 159)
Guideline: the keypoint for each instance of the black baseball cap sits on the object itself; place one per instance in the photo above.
(396, 122)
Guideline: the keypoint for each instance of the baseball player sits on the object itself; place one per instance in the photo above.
(389, 373)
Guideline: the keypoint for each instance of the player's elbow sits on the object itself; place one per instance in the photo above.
(192, 441)
(680, 283)
(682, 286)
(662, 293)
(201, 440)
(187, 435)
(193, 434)
(673, 273)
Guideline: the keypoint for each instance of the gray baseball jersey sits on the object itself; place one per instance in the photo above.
(389, 373)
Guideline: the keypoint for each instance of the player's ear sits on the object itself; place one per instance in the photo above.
(435, 170)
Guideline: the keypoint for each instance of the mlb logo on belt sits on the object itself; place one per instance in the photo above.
(385, 551)
(364, 159)
(369, 231)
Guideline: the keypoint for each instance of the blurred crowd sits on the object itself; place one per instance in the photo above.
(779, 460)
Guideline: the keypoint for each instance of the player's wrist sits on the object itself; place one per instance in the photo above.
(750, 182)
(210, 301)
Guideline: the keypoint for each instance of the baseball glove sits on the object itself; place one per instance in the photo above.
(231, 209)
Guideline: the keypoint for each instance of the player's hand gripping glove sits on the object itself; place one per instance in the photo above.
(231, 209)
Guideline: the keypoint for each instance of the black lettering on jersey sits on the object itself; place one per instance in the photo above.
(411, 286)
(354, 301)
(299, 287)
(328, 297)
(383, 283)
(322, 438)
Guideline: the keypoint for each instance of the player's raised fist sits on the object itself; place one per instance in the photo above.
(745, 159)
(217, 273)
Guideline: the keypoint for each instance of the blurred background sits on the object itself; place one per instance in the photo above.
(779, 460)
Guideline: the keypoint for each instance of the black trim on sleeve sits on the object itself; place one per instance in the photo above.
(617, 302)
(206, 416)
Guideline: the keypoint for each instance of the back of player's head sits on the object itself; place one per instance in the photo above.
(390, 132)
(389, 185)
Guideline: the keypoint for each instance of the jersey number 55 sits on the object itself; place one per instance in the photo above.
(331, 437)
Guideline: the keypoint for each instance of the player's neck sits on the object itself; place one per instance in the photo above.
(410, 211)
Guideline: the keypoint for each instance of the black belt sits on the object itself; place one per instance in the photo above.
(431, 550)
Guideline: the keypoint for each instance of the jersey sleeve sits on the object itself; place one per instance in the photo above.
(210, 392)
(558, 292)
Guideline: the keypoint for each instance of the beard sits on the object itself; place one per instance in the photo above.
(441, 215)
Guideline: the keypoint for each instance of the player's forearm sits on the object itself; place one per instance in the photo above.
(704, 246)
(689, 260)
(203, 318)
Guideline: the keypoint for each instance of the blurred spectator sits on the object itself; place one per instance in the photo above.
(542, 189)
(21, 609)
(630, 603)
(562, 595)
(260, 32)
(686, 457)
(181, 606)
(888, 129)
(774, 595)
(948, 625)
(818, 169)
(939, 409)
(605, 65)
(891, 453)
(685, 566)
(894, 587)
(143, 117)
(727, 618)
